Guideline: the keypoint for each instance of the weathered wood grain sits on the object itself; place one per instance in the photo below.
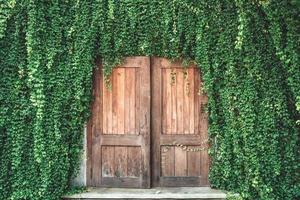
(119, 128)
(177, 120)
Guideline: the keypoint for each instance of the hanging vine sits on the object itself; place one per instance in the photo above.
(248, 54)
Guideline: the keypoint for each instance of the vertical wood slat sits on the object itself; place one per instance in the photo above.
(132, 116)
(120, 162)
(174, 103)
(193, 163)
(96, 129)
(168, 107)
(164, 112)
(180, 162)
(108, 160)
(144, 119)
(192, 100)
(134, 158)
(197, 103)
(204, 166)
(158, 115)
(106, 108)
(186, 103)
(180, 98)
(115, 101)
(105, 111)
(137, 99)
(108, 105)
(129, 101)
(167, 161)
(121, 99)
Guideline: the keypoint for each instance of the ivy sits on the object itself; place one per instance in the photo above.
(248, 54)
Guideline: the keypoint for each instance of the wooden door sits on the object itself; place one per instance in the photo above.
(179, 125)
(119, 128)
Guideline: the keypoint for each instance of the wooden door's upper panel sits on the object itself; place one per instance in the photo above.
(121, 102)
(183, 103)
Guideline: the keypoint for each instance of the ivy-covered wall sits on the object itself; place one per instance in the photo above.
(248, 51)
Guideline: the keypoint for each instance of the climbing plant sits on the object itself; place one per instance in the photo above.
(248, 52)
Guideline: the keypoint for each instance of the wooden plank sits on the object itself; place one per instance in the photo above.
(104, 110)
(122, 140)
(167, 160)
(180, 181)
(192, 101)
(204, 169)
(115, 101)
(186, 103)
(129, 108)
(180, 162)
(96, 157)
(137, 100)
(174, 102)
(134, 61)
(163, 88)
(124, 182)
(144, 116)
(121, 99)
(134, 159)
(197, 102)
(96, 130)
(109, 115)
(164, 63)
(182, 139)
(99, 94)
(168, 103)
(180, 99)
(193, 163)
(156, 119)
(120, 161)
(132, 115)
(108, 157)
(127, 100)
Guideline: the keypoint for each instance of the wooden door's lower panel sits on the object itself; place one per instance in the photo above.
(182, 181)
(121, 182)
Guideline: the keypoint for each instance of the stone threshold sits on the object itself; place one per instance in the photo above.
(200, 193)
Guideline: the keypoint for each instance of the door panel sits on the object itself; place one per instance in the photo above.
(179, 125)
(119, 128)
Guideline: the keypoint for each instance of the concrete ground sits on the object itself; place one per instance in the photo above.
(153, 193)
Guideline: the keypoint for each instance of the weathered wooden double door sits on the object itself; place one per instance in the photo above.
(149, 128)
